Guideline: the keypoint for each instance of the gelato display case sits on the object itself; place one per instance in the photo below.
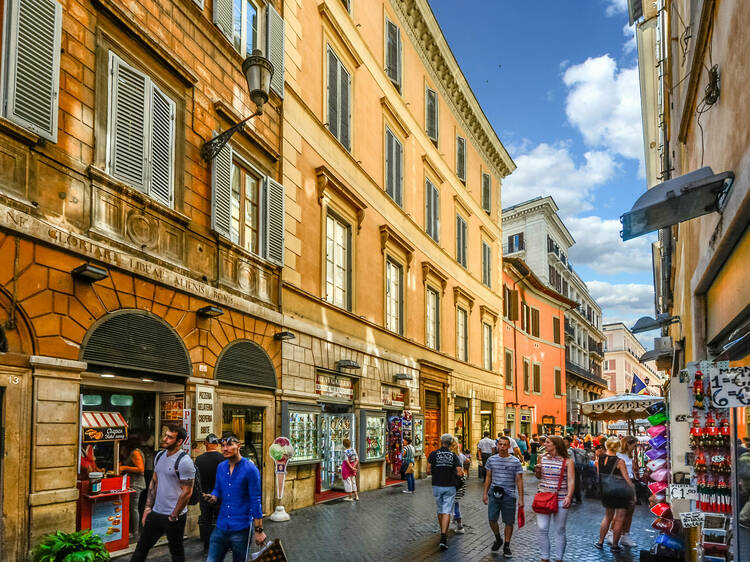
(372, 436)
(301, 423)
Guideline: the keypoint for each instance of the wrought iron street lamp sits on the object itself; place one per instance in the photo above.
(258, 71)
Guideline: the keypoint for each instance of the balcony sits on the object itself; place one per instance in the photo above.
(595, 348)
(514, 247)
(569, 332)
(581, 373)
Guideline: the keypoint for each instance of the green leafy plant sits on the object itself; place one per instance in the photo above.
(81, 546)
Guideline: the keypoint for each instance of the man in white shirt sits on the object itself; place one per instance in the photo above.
(485, 449)
(513, 445)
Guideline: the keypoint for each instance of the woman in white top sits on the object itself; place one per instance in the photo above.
(627, 454)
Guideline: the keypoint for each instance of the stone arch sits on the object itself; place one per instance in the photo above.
(19, 338)
(247, 363)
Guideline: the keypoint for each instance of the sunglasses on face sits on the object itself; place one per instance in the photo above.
(228, 441)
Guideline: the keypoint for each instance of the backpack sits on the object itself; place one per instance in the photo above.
(579, 458)
(195, 497)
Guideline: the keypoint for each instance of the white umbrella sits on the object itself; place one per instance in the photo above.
(620, 407)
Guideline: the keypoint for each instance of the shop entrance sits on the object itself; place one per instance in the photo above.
(431, 421)
(461, 429)
(487, 419)
(395, 436)
(336, 424)
(246, 422)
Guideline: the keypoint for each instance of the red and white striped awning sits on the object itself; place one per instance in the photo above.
(102, 419)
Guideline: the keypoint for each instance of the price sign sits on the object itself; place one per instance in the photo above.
(692, 519)
(730, 387)
(683, 492)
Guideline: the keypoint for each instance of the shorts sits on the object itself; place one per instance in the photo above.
(505, 506)
(444, 498)
(350, 484)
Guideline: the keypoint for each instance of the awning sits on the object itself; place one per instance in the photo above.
(620, 407)
(103, 426)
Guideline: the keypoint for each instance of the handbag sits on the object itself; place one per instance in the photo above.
(269, 552)
(546, 502)
(616, 488)
(409, 469)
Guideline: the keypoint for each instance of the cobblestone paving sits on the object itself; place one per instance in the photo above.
(389, 525)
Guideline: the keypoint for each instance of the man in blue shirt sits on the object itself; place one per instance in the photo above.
(238, 489)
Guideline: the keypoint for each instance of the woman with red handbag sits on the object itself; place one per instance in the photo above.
(556, 474)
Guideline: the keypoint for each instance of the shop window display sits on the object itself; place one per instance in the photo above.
(333, 429)
(418, 434)
(373, 438)
(303, 434)
(395, 443)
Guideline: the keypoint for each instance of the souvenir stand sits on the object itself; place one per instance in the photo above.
(104, 501)
(372, 436)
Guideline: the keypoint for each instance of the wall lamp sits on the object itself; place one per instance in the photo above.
(210, 311)
(646, 323)
(347, 364)
(90, 273)
(258, 71)
(281, 336)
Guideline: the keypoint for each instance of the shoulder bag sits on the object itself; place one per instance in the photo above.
(615, 488)
(546, 502)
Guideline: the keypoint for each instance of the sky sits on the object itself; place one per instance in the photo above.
(558, 80)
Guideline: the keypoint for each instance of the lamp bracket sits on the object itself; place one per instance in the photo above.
(211, 148)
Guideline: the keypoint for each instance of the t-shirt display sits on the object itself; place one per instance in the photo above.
(444, 463)
(504, 470)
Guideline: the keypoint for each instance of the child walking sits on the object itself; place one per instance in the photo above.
(349, 471)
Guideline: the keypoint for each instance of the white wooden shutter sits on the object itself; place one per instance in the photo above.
(221, 191)
(126, 154)
(275, 48)
(344, 89)
(333, 98)
(33, 59)
(161, 158)
(223, 17)
(274, 201)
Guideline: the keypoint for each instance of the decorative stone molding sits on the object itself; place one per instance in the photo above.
(390, 111)
(430, 165)
(461, 205)
(461, 294)
(389, 237)
(488, 312)
(487, 232)
(430, 271)
(328, 182)
(330, 21)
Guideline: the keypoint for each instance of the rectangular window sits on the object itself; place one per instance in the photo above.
(348, 5)
(526, 376)
(431, 114)
(535, 322)
(393, 65)
(487, 345)
(486, 264)
(460, 240)
(245, 218)
(508, 368)
(338, 262)
(515, 243)
(461, 158)
(525, 319)
(537, 378)
(394, 167)
(244, 26)
(432, 213)
(339, 99)
(487, 192)
(556, 330)
(462, 334)
(558, 382)
(393, 296)
(433, 319)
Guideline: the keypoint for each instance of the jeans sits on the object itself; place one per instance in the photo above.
(222, 541)
(410, 482)
(552, 525)
(456, 511)
(207, 521)
(444, 498)
(156, 526)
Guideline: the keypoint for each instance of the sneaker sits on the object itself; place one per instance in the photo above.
(609, 537)
(348, 499)
(356, 499)
(460, 530)
(443, 542)
(497, 544)
(506, 551)
(599, 545)
(616, 548)
(627, 540)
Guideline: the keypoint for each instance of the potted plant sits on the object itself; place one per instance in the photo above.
(81, 546)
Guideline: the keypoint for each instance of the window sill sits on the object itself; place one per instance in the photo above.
(19, 133)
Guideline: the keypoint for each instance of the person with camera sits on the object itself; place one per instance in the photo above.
(504, 476)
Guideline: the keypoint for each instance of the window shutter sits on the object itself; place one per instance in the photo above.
(398, 170)
(127, 124)
(429, 211)
(34, 65)
(274, 221)
(333, 89)
(161, 162)
(487, 193)
(556, 330)
(389, 164)
(520, 241)
(461, 158)
(275, 47)
(221, 186)
(344, 104)
(223, 17)
(391, 51)
(431, 117)
(458, 239)
(514, 306)
(535, 322)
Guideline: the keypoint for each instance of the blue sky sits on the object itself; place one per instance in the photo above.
(558, 80)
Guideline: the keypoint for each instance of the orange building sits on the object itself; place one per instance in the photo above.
(533, 320)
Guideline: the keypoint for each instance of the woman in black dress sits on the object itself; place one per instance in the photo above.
(610, 465)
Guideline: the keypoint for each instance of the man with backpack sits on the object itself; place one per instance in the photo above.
(580, 459)
(169, 493)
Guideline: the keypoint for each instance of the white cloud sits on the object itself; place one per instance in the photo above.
(599, 246)
(615, 7)
(550, 170)
(629, 32)
(626, 303)
(604, 105)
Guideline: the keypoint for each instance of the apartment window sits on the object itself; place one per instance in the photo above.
(348, 5)
(487, 264)
(508, 368)
(535, 322)
(510, 304)
(486, 192)
(140, 132)
(487, 345)
(394, 282)
(433, 319)
(461, 158)
(338, 262)
(556, 330)
(394, 167)
(244, 26)
(525, 318)
(526, 376)
(245, 217)
(515, 243)
(460, 240)
(393, 63)
(462, 334)
(31, 66)
(431, 114)
(339, 100)
(558, 382)
(432, 215)
(537, 378)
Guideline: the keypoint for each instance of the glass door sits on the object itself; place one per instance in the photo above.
(246, 422)
(334, 428)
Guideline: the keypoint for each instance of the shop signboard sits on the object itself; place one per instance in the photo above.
(392, 396)
(171, 406)
(683, 492)
(692, 518)
(103, 426)
(204, 411)
(106, 519)
(187, 422)
(730, 386)
(334, 386)
(98, 434)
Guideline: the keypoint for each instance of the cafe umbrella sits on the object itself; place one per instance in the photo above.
(629, 407)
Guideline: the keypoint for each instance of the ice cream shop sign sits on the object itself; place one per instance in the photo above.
(334, 386)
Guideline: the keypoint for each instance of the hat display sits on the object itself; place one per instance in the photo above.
(656, 464)
(658, 442)
(656, 453)
(657, 487)
(657, 418)
(656, 408)
(657, 430)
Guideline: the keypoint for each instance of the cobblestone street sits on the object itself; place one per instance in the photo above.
(389, 525)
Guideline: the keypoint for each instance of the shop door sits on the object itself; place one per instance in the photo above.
(246, 423)
(334, 428)
(431, 430)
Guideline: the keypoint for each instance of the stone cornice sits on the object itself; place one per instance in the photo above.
(388, 236)
(432, 47)
(429, 270)
(391, 113)
(335, 27)
(459, 293)
(327, 180)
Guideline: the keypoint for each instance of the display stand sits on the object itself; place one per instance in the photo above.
(107, 513)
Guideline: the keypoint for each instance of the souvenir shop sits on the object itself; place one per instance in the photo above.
(462, 422)
(393, 403)
(487, 418)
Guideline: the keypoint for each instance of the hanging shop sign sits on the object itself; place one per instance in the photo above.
(682, 492)
(392, 396)
(103, 426)
(204, 411)
(730, 387)
(187, 423)
(334, 386)
(548, 420)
